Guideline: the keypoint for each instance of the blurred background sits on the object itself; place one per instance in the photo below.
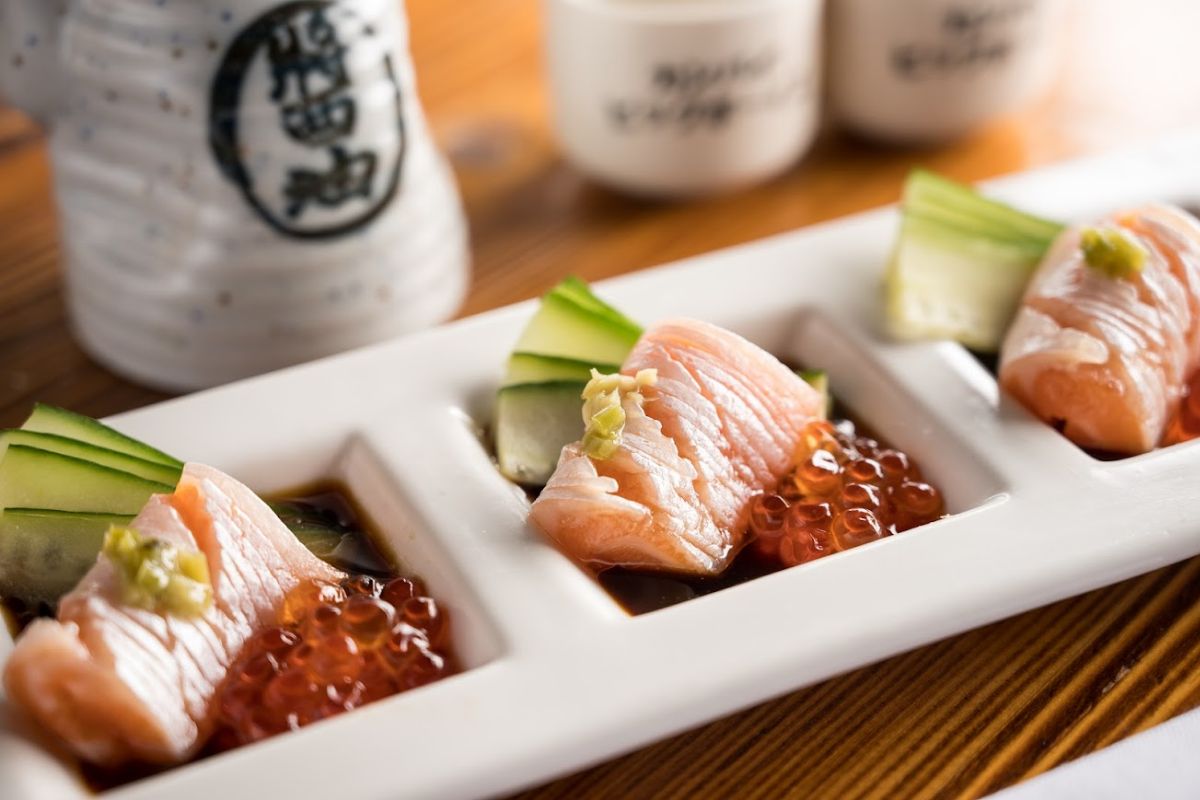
(1121, 73)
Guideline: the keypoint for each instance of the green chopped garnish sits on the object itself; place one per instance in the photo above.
(603, 434)
(1112, 252)
(603, 412)
(156, 575)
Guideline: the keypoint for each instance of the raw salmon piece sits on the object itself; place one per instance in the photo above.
(720, 425)
(121, 684)
(1106, 358)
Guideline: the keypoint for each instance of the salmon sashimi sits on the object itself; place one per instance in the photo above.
(1106, 358)
(119, 683)
(720, 424)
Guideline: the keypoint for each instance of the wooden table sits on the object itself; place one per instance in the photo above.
(956, 719)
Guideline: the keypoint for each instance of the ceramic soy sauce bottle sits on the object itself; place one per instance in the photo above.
(242, 184)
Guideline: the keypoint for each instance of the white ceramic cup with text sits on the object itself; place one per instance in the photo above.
(684, 97)
(926, 71)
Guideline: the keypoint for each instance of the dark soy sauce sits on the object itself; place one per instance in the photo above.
(989, 361)
(338, 529)
(641, 592)
(17, 614)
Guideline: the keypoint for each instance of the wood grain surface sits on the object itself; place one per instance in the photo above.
(956, 719)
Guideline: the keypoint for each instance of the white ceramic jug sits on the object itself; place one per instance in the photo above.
(242, 184)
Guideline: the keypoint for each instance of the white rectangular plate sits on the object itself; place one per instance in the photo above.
(558, 676)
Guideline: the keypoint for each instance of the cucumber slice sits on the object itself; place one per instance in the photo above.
(32, 478)
(944, 284)
(538, 408)
(97, 455)
(960, 264)
(819, 380)
(60, 422)
(576, 290)
(929, 194)
(534, 421)
(313, 530)
(44, 553)
(535, 368)
(563, 328)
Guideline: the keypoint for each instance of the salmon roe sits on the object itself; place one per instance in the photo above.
(845, 490)
(336, 647)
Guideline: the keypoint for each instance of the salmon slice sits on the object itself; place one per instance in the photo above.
(1106, 358)
(121, 684)
(720, 425)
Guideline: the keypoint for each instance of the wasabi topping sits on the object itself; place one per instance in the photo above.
(603, 412)
(1112, 252)
(156, 575)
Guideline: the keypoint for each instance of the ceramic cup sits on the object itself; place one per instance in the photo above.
(242, 184)
(926, 71)
(683, 97)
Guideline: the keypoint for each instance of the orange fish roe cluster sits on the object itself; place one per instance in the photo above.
(1185, 425)
(336, 647)
(845, 490)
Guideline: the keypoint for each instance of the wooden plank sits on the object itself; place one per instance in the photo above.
(960, 718)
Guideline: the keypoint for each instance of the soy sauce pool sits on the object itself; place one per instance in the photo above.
(640, 592)
(334, 527)
(16, 614)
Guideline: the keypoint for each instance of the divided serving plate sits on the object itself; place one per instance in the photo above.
(557, 675)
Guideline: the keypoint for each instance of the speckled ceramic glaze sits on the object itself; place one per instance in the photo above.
(243, 184)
